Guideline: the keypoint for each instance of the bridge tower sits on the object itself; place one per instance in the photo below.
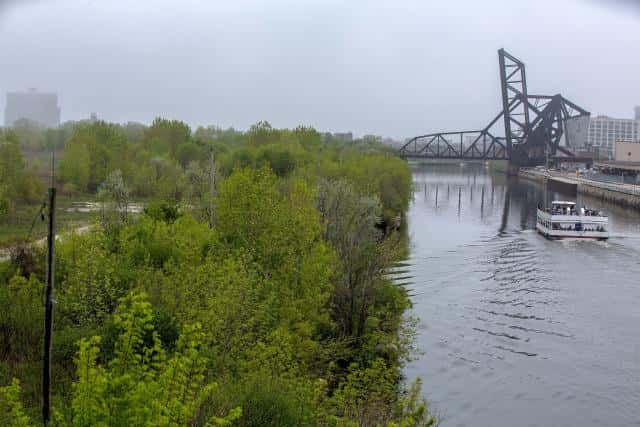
(532, 125)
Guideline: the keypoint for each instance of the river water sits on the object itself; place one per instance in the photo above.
(516, 330)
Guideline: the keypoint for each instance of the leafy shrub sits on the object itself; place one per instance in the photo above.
(142, 385)
(268, 400)
(21, 319)
(162, 211)
(12, 413)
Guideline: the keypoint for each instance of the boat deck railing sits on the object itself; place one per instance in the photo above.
(572, 212)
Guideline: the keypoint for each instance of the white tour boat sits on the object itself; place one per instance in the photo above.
(565, 221)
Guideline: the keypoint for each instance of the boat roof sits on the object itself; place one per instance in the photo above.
(561, 202)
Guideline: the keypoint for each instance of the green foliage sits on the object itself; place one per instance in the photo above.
(384, 176)
(280, 159)
(4, 202)
(165, 136)
(114, 196)
(367, 393)
(167, 178)
(268, 400)
(350, 225)
(21, 318)
(99, 147)
(142, 385)
(412, 410)
(91, 279)
(200, 190)
(11, 411)
(134, 131)
(280, 230)
(17, 182)
(262, 133)
(162, 211)
(188, 152)
(369, 397)
(75, 166)
(151, 243)
(262, 272)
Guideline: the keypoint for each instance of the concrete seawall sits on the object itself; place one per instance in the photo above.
(621, 194)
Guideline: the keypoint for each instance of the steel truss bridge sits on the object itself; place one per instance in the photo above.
(527, 132)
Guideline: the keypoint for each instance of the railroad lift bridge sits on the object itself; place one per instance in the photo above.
(532, 125)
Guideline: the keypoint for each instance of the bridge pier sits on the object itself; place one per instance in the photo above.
(513, 169)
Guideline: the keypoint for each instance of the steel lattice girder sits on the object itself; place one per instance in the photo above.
(533, 125)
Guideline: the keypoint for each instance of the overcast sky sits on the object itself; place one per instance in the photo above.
(395, 68)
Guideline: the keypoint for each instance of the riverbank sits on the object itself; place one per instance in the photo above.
(627, 195)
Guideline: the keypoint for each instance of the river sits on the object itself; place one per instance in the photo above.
(516, 330)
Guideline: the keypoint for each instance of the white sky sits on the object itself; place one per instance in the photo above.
(395, 68)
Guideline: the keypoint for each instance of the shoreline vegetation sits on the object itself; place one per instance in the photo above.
(249, 291)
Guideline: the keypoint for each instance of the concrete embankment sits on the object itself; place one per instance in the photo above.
(621, 194)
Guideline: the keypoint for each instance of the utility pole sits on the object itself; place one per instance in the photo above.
(48, 298)
(48, 310)
(212, 190)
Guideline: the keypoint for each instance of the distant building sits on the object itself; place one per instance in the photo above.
(576, 137)
(33, 106)
(637, 111)
(343, 136)
(391, 142)
(627, 151)
(605, 131)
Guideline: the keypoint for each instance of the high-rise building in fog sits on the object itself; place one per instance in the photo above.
(37, 107)
(605, 131)
(637, 110)
(577, 133)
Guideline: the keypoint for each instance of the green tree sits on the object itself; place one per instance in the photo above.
(17, 182)
(350, 225)
(134, 131)
(4, 202)
(74, 166)
(165, 136)
(115, 199)
(262, 133)
(279, 228)
(188, 152)
(100, 146)
(281, 160)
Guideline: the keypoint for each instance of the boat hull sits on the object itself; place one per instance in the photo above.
(569, 235)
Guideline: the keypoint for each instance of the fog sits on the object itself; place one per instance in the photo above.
(394, 68)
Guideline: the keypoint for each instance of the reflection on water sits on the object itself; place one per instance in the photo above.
(517, 330)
